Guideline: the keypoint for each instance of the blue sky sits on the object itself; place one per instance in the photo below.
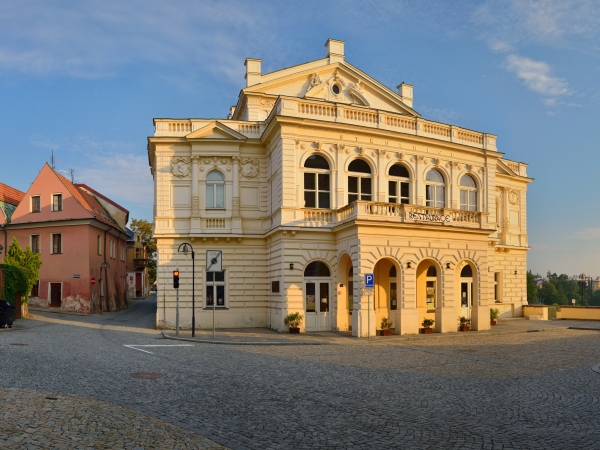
(85, 79)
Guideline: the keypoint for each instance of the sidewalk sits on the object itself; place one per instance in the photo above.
(266, 336)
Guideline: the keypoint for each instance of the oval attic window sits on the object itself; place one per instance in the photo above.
(336, 89)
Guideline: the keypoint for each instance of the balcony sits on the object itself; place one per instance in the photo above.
(384, 212)
(140, 263)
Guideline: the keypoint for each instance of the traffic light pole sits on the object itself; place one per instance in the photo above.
(177, 313)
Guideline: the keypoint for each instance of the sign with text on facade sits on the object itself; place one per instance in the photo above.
(214, 261)
(369, 280)
(423, 217)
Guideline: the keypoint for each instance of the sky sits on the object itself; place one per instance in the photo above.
(85, 79)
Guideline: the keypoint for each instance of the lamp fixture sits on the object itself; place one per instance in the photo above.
(515, 272)
(291, 266)
(447, 265)
(408, 265)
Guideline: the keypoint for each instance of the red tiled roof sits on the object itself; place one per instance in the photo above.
(10, 195)
(98, 194)
(89, 202)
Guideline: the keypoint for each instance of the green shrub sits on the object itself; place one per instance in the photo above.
(428, 323)
(15, 280)
(386, 323)
(293, 320)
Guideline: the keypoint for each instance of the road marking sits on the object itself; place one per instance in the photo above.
(133, 346)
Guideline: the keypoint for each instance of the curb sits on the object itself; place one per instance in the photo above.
(205, 341)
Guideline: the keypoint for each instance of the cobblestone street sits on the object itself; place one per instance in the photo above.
(69, 383)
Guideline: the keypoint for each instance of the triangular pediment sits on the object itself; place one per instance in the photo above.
(339, 82)
(503, 169)
(215, 130)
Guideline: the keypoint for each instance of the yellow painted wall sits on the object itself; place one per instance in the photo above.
(579, 312)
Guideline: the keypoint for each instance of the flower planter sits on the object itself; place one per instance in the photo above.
(427, 330)
(465, 328)
(387, 332)
(294, 330)
(493, 322)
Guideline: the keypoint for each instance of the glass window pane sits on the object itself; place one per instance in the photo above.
(209, 295)
(392, 188)
(467, 181)
(404, 190)
(219, 276)
(316, 162)
(353, 184)
(463, 199)
(393, 298)
(324, 182)
(430, 292)
(220, 201)
(398, 170)
(324, 200)
(210, 195)
(428, 193)
(350, 295)
(434, 175)
(360, 166)
(439, 194)
(324, 297)
(209, 276)
(352, 198)
(309, 199)
(309, 181)
(220, 295)
(365, 186)
(310, 297)
(473, 200)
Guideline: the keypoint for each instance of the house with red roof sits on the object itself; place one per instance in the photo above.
(81, 238)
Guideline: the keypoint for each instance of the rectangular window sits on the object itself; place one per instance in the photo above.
(56, 243)
(352, 189)
(310, 297)
(497, 287)
(430, 292)
(365, 189)
(275, 287)
(57, 202)
(35, 243)
(99, 245)
(35, 204)
(398, 195)
(393, 296)
(35, 290)
(218, 280)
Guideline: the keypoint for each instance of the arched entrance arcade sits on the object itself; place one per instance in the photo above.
(317, 296)
(345, 293)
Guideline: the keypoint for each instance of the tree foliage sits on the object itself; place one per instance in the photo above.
(144, 227)
(560, 290)
(27, 261)
(532, 289)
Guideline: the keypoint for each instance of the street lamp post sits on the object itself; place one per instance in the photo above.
(582, 279)
(185, 252)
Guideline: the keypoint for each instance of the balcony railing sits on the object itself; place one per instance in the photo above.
(384, 212)
(140, 262)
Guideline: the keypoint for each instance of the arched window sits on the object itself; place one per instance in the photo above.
(435, 189)
(316, 182)
(215, 190)
(466, 272)
(393, 288)
(398, 184)
(359, 181)
(317, 269)
(431, 287)
(468, 193)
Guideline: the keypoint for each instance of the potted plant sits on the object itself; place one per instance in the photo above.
(465, 324)
(293, 321)
(386, 327)
(427, 323)
(494, 313)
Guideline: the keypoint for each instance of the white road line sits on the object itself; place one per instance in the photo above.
(133, 346)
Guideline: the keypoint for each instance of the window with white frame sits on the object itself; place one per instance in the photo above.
(359, 181)
(215, 190)
(215, 281)
(398, 184)
(56, 240)
(36, 204)
(35, 243)
(57, 204)
(435, 189)
(468, 193)
(431, 287)
(316, 183)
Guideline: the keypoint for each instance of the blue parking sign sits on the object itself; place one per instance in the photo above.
(369, 280)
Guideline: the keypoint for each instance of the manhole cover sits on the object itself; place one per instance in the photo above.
(20, 345)
(146, 375)
(467, 350)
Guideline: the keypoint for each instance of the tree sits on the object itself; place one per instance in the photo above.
(28, 261)
(532, 289)
(144, 227)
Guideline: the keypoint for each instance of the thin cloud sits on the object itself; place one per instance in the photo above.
(536, 75)
(586, 234)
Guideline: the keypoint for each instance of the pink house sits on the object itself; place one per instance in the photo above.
(79, 234)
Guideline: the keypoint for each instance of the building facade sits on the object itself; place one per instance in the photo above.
(77, 239)
(319, 176)
(138, 282)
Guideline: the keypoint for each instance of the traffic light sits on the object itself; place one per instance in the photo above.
(176, 279)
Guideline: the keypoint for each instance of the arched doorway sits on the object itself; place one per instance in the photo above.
(386, 291)
(345, 294)
(428, 291)
(466, 291)
(317, 297)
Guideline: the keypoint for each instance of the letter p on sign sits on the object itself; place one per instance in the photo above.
(369, 280)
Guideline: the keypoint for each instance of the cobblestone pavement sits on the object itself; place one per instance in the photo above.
(478, 391)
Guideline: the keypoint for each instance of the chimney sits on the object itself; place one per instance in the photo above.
(335, 50)
(406, 93)
(231, 112)
(253, 71)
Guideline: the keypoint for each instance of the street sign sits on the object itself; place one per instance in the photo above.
(214, 261)
(93, 281)
(369, 280)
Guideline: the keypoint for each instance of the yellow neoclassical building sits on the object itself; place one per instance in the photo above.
(319, 175)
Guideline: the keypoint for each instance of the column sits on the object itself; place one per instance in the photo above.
(236, 220)
(195, 216)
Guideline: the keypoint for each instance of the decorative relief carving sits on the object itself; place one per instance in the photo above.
(249, 168)
(180, 166)
(399, 156)
(469, 167)
(436, 161)
(266, 102)
(513, 196)
(341, 147)
(236, 206)
(302, 146)
(359, 87)
(195, 205)
(421, 159)
(317, 145)
(314, 81)
(361, 150)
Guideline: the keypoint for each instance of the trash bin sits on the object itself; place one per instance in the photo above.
(7, 314)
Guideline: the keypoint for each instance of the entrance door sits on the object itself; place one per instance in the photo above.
(350, 292)
(55, 295)
(318, 316)
(466, 297)
(138, 284)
